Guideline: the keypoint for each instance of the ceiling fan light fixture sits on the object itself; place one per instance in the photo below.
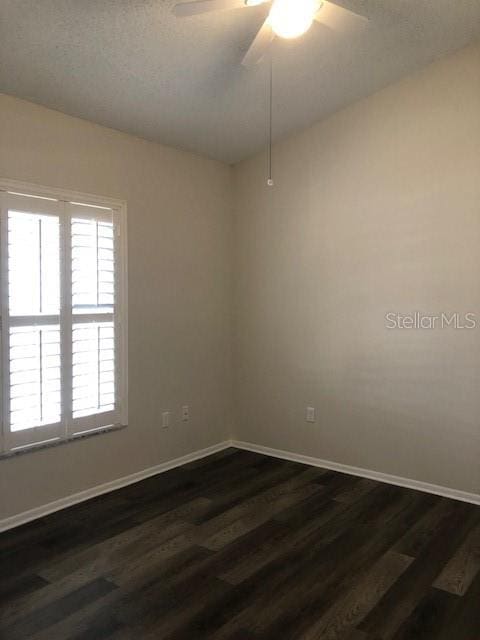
(292, 18)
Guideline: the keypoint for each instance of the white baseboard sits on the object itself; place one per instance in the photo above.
(454, 494)
(39, 512)
(57, 505)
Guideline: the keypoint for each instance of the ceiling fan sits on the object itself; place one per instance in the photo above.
(286, 19)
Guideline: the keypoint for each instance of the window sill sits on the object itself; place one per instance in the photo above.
(56, 443)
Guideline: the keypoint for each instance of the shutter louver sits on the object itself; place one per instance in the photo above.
(93, 368)
(92, 266)
(34, 376)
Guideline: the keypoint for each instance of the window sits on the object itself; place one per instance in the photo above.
(63, 315)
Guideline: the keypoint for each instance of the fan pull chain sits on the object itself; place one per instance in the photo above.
(270, 126)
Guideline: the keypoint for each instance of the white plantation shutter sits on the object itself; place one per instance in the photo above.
(30, 276)
(63, 323)
(96, 322)
(33, 291)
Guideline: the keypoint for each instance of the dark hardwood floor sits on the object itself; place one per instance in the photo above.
(239, 546)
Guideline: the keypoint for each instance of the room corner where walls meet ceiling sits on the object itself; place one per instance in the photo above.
(135, 67)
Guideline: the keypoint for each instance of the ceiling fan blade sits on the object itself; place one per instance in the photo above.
(259, 46)
(339, 19)
(185, 9)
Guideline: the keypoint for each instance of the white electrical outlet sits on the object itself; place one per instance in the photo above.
(165, 419)
(310, 414)
(185, 413)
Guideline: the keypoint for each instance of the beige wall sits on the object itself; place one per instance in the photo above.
(179, 217)
(376, 209)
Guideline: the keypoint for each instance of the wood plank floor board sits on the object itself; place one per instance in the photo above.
(464, 620)
(240, 489)
(242, 634)
(355, 634)
(102, 630)
(360, 488)
(14, 587)
(349, 610)
(461, 569)
(428, 618)
(245, 552)
(412, 586)
(441, 615)
(239, 546)
(166, 611)
(418, 538)
(43, 618)
(257, 516)
(86, 621)
(21, 562)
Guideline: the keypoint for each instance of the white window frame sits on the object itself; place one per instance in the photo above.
(64, 204)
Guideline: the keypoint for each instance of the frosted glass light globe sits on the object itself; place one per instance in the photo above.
(292, 18)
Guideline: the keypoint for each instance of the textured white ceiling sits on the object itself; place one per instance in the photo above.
(131, 65)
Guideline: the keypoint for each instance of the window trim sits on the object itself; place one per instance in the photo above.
(68, 201)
